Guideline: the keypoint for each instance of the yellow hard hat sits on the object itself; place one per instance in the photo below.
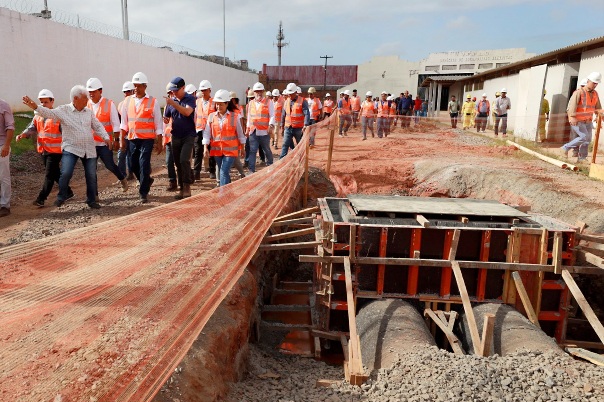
(544, 92)
(497, 93)
(468, 96)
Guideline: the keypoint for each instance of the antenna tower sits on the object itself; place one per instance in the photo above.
(280, 41)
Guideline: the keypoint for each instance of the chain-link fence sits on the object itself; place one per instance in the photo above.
(36, 8)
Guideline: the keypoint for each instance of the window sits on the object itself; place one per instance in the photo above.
(466, 66)
(449, 67)
(431, 68)
(502, 64)
(485, 66)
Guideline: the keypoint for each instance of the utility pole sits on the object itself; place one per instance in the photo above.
(325, 68)
(280, 41)
(223, 33)
(125, 19)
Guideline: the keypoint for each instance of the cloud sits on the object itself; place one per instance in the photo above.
(460, 22)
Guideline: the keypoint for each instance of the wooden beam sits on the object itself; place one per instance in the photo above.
(583, 344)
(594, 238)
(557, 253)
(487, 335)
(289, 246)
(352, 253)
(421, 219)
(587, 355)
(289, 235)
(355, 365)
(306, 132)
(585, 307)
(526, 301)
(454, 244)
(292, 221)
(444, 326)
(467, 306)
(296, 214)
(592, 258)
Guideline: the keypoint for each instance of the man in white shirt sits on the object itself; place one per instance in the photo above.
(502, 105)
(261, 119)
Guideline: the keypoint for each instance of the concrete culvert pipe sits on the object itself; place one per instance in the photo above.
(512, 333)
(387, 328)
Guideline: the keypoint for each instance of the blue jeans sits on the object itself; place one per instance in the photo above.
(124, 162)
(68, 162)
(224, 164)
(106, 155)
(259, 142)
(583, 131)
(140, 153)
(170, 163)
(288, 139)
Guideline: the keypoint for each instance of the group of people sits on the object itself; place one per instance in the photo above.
(476, 114)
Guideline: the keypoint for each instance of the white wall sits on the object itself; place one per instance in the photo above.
(38, 53)
(591, 61)
(396, 79)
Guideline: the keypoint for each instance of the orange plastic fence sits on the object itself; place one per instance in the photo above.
(106, 312)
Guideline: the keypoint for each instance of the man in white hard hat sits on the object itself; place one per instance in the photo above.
(278, 101)
(502, 105)
(105, 111)
(582, 106)
(367, 114)
(142, 123)
(493, 111)
(328, 105)
(123, 155)
(383, 116)
(191, 90)
(315, 106)
(483, 108)
(48, 135)
(261, 119)
(77, 122)
(205, 106)
(7, 129)
(294, 119)
(345, 110)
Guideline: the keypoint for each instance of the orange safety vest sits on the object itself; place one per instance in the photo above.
(392, 109)
(202, 112)
(167, 138)
(383, 108)
(259, 116)
(355, 103)
(367, 109)
(587, 105)
(223, 140)
(103, 114)
(328, 106)
(279, 108)
(141, 124)
(345, 109)
(119, 108)
(313, 105)
(294, 116)
(49, 135)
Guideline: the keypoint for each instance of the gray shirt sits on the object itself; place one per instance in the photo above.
(502, 105)
(76, 127)
(7, 121)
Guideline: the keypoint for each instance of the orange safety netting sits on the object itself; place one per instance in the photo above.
(106, 312)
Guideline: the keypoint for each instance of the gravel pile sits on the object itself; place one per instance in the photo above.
(424, 375)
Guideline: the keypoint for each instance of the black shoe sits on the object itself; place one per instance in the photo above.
(69, 196)
(197, 176)
(144, 199)
(151, 180)
(213, 176)
(4, 211)
(38, 203)
(94, 205)
(58, 203)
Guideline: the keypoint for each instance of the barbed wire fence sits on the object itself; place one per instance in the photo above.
(77, 21)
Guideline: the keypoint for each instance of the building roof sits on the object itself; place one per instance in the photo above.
(441, 79)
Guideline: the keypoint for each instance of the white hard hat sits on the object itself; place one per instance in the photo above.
(312, 90)
(234, 95)
(269, 93)
(389, 98)
(258, 87)
(190, 89)
(327, 95)
(139, 78)
(298, 90)
(595, 77)
(347, 92)
(384, 93)
(275, 92)
(504, 90)
(128, 86)
(369, 93)
(251, 94)
(205, 84)
(222, 95)
(93, 84)
(290, 89)
(484, 95)
(583, 82)
(45, 93)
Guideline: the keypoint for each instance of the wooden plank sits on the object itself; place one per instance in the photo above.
(487, 335)
(297, 214)
(421, 219)
(306, 132)
(597, 251)
(594, 238)
(592, 258)
(526, 302)
(587, 355)
(289, 235)
(467, 306)
(443, 325)
(289, 246)
(454, 244)
(382, 267)
(292, 221)
(557, 253)
(583, 344)
(585, 307)
(317, 347)
(325, 383)
(355, 365)
(353, 243)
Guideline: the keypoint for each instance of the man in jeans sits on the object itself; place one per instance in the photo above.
(7, 129)
(77, 143)
(294, 119)
(453, 109)
(502, 105)
(261, 119)
(482, 113)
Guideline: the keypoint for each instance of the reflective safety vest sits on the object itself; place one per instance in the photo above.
(355, 103)
(294, 116)
(315, 110)
(278, 104)
(392, 109)
(103, 114)
(167, 138)
(481, 104)
(328, 106)
(345, 109)
(223, 140)
(202, 111)
(259, 115)
(383, 108)
(587, 105)
(49, 135)
(141, 122)
(367, 109)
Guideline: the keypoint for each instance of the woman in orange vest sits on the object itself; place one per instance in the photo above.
(367, 114)
(48, 146)
(224, 135)
(328, 105)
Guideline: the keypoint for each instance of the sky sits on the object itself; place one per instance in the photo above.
(351, 31)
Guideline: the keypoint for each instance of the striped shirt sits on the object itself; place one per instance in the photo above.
(76, 128)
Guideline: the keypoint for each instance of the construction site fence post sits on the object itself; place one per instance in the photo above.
(597, 139)
(307, 131)
(332, 132)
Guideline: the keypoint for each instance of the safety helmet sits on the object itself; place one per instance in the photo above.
(484, 95)
(544, 92)
(234, 95)
(384, 93)
(222, 95)
(205, 84)
(258, 87)
(290, 89)
(190, 89)
(327, 95)
(347, 92)
(369, 93)
(93, 84)
(595, 77)
(269, 93)
(312, 90)
(503, 90)
(583, 82)
(128, 86)
(251, 94)
(468, 96)
(389, 98)
(275, 92)
(298, 90)
(139, 78)
(45, 93)
(497, 93)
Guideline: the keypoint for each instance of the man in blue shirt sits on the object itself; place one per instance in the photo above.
(405, 106)
(180, 108)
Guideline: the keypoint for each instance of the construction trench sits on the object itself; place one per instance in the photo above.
(418, 279)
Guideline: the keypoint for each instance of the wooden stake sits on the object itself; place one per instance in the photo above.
(487, 334)
(288, 235)
(467, 306)
(447, 330)
(296, 214)
(585, 307)
(587, 355)
(597, 138)
(454, 243)
(557, 253)
(421, 219)
(526, 302)
(332, 133)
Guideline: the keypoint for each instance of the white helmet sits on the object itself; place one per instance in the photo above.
(384, 93)
(369, 93)
(128, 86)
(389, 98)
(190, 89)
(258, 87)
(45, 93)
(583, 82)
(290, 89)
(139, 78)
(327, 95)
(595, 77)
(504, 90)
(347, 92)
(275, 92)
(269, 93)
(298, 90)
(205, 84)
(222, 95)
(312, 90)
(484, 95)
(93, 84)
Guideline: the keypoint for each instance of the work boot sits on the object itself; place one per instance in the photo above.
(172, 186)
(186, 192)
(197, 175)
(130, 176)
(212, 175)
(124, 183)
(179, 196)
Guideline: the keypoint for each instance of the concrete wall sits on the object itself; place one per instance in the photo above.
(38, 53)
(397, 77)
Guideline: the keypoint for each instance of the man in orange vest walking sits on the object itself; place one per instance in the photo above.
(383, 119)
(48, 132)
(315, 106)
(123, 157)
(205, 106)
(143, 124)
(105, 111)
(278, 104)
(345, 113)
(261, 120)
(355, 105)
(294, 119)
(328, 105)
